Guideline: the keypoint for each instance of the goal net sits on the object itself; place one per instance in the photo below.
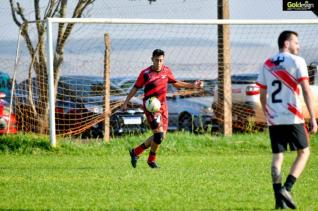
(191, 51)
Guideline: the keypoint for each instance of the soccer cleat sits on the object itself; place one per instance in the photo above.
(280, 204)
(153, 165)
(287, 198)
(134, 158)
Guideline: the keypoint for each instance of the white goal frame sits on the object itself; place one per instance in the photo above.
(51, 21)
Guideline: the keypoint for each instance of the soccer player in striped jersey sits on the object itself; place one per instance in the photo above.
(154, 79)
(283, 81)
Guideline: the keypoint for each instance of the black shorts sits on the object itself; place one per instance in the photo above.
(296, 136)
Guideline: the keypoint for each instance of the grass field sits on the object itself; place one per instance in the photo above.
(198, 172)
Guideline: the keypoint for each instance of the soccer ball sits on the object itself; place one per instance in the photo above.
(153, 104)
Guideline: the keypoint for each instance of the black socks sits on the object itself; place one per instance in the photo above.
(290, 182)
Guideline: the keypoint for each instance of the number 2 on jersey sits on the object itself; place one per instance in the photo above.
(278, 84)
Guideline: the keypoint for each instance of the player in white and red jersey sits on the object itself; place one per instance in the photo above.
(283, 81)
(155, 79)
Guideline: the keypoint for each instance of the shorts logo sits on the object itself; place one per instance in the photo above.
(300, 5)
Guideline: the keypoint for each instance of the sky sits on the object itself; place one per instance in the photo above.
(179, 9)
(188, 48)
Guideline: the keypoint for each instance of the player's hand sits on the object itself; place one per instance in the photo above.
(313, 126)
(124, 107)
(198, 84)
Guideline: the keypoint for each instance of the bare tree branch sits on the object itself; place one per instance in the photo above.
(63, 9)
(52, 8)
(24, 33)
(49, 8)
(37, 10)
(39, 23)
(56, 9)
(13, 13)
(20, 12)
(16, 9)
(80, 7)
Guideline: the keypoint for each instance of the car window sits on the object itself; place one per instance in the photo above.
(244, 79)
(126, 86)
(86, 88)
(70, 87)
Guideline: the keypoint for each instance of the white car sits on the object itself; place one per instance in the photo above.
(246, 106)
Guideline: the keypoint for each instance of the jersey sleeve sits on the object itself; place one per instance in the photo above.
(171, 78)
(140, 82)
(302, 73)
(261, 80)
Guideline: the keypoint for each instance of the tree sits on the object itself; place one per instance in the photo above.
(37, 50)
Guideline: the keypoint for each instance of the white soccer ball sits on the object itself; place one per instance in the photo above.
(153, 104)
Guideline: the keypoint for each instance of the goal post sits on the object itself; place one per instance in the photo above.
(240, 36)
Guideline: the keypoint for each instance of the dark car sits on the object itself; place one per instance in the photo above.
(189, 110)
(80, 107)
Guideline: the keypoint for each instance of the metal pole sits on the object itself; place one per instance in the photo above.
(51, 82)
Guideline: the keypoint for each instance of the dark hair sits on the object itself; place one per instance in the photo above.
(285, 35)
(158, 52)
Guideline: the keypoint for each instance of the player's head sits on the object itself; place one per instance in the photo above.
(157, 59)
(288, 42)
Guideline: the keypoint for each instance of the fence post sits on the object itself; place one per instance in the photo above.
(107, 110)
(224, 69)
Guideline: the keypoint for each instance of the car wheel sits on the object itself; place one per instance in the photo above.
(185, 123)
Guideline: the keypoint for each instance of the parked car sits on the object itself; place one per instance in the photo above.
(188, 110)
(80, 108)
(246, 107)
(7, 116)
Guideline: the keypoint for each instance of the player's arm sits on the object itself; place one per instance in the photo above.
(309, 103)
(132, 93)
(181, 84)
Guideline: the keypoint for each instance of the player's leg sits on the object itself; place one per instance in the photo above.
(277, 161)
(158, 137)
(137, 151)
(299, 141)
(300, 162)
(278, 147)
(296, 169)
(142, 147)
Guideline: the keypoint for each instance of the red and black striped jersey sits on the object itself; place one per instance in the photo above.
(155, 83)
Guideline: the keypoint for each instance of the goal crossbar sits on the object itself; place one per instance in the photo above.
(183, 21)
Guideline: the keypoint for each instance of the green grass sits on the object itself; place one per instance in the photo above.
(197, 173)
